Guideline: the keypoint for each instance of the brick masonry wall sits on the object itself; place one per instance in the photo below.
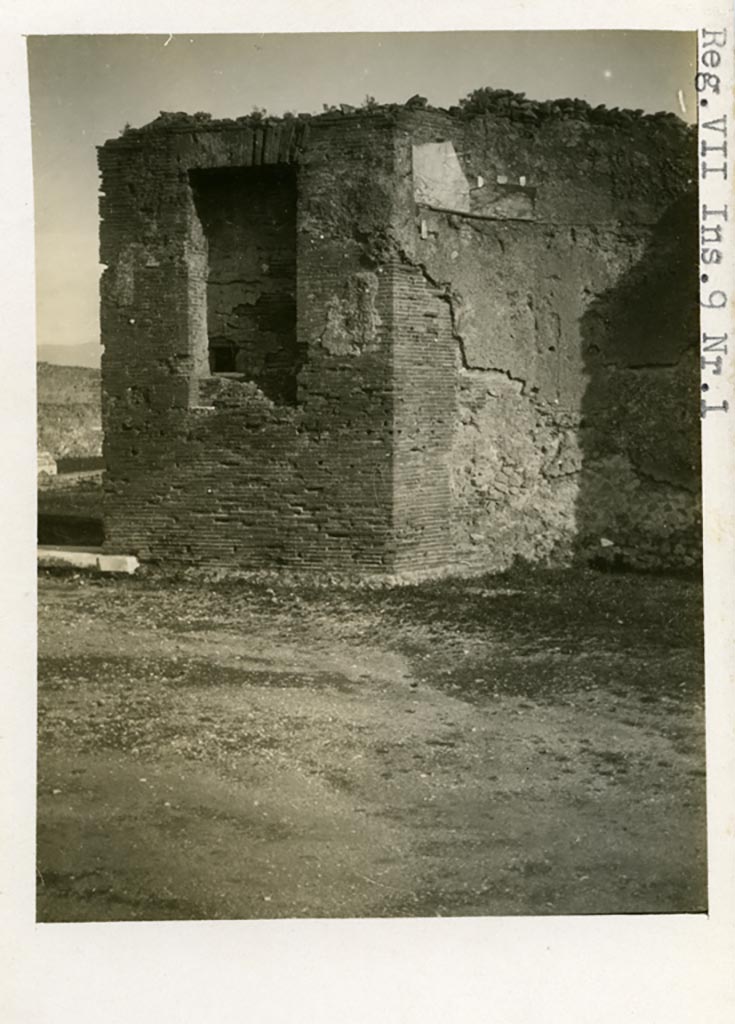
(209, 470)
(425, 371)
(469, 389)
(576, 430)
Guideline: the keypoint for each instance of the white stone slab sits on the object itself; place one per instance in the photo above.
(76, 559)
(438, 178)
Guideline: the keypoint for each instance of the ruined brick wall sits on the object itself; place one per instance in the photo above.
(209, 469)
(574, 315)
(425, 405)
(508, 370)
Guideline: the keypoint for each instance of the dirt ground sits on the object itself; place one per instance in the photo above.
(531, 743)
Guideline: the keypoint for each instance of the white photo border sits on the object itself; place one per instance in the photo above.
(648, 969)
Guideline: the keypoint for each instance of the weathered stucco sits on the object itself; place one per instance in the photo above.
(576, 429)
(476, 343)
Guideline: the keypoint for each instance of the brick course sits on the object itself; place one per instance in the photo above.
(414, 389)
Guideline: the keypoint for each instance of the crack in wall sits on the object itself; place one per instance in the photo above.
(453, 298)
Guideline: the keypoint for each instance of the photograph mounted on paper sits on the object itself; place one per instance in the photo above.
(369, 487)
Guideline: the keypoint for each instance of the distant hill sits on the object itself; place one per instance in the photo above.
(69, 410)
(87, 354)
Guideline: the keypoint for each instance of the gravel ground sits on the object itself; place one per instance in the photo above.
(531, 743)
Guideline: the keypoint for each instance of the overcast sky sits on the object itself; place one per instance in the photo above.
(85, 88)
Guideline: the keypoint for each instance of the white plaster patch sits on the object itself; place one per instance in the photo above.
(438, 179)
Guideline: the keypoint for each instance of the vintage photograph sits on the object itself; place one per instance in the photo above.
(369, 476)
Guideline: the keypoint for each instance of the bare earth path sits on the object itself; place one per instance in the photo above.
(526, 744)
